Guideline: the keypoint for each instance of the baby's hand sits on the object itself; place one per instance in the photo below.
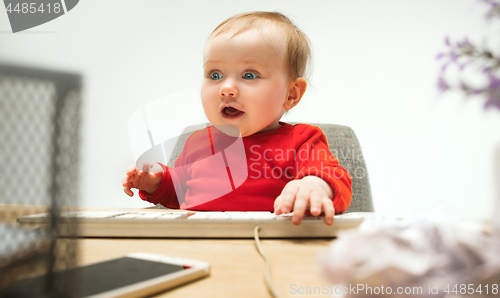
(147, 179)
(298, 195)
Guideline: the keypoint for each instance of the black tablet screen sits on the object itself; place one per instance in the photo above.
(97, 278)
(121, 272)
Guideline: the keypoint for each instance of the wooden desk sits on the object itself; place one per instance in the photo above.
(236, 268)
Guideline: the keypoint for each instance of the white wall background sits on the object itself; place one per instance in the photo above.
(374, 70)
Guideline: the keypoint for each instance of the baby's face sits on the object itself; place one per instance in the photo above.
(245, 83)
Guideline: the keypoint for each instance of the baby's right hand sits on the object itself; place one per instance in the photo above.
(141, 179)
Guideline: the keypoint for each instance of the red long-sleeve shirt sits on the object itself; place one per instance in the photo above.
(215, 172)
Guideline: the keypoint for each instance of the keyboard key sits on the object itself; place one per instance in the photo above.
(169, 217)
(287, 216)
(199, 216)
(127, 216)
(150, 215)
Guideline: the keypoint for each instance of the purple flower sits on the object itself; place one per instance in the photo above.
(487, 70)
(466, 42)
(494, 8)
(477, 91)
(493, 93)
(465, 54)
(464, 86)
(494, 83)
(492, 103)
(447, 41)
(442, 85)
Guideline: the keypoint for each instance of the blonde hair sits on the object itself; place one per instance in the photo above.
(298, 50)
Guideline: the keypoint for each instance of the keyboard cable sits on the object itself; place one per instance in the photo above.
(268, 280)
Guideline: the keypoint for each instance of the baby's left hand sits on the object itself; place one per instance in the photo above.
(298, 195)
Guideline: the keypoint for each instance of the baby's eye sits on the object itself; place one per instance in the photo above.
(249, 76)
(216, 76)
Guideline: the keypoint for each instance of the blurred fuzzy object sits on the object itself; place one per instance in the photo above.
(417, 255)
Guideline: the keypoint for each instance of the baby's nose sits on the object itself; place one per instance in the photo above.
(228, 90)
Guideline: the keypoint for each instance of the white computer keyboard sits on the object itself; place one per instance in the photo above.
(188, 224)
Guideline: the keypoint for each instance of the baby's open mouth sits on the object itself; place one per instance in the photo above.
(231, 112)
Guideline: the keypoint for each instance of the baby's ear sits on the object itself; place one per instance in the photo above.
(296, 90)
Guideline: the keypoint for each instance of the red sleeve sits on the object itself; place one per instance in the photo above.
(164, 194)
(172, 188)
(313, 158)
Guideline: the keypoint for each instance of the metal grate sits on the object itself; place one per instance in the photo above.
(39, 155)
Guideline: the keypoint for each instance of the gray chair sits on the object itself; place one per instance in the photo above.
(343, 144)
